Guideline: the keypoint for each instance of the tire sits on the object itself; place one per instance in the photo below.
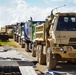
(14, 37)
(37, 54)
(72, 61)
(27, 47)
(33, 50)
(22, 44)
(19, 40)
(42, 57)
(50, 60)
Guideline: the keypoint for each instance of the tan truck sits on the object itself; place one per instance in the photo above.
(3, 35)
(7, 29)
(3, 30)
(56, 39)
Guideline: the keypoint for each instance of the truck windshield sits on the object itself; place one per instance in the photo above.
(66, 23)
(9, 27)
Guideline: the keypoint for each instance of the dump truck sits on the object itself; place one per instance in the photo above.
(56, 39)
(7, 29)
(27, 34)
(31, 34)
(17, 32)
(14, 31)
(3, 30)
(20, 33)
(24, 37)
(3, 35)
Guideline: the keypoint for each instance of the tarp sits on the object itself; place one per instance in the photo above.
(51, 72)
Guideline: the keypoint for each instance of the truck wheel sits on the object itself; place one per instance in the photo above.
(42, 57)
(19, 40)
(27, 47)
(72, 61)
(50, 60)
(14, 37)
(37, 54)
(33, 51)
(22, 44)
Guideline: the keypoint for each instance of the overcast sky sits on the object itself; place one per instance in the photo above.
(13, 11)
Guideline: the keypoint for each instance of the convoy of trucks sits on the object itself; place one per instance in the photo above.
(49, 41)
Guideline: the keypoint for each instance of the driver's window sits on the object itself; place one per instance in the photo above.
(65, 19)
(73, 19)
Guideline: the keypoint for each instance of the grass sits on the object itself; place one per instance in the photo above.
(9, 42)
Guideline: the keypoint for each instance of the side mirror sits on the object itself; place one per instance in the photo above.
(52, 23)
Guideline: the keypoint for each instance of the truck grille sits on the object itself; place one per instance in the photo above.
(9, 70)
(72, 40)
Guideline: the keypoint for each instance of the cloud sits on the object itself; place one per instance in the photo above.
(20, 11)
(14, 13)
(4, 16)
(47, 1)
(74, 1)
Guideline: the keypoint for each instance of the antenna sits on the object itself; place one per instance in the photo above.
(56, 8)
(31, 18)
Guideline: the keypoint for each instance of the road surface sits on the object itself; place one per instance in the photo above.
(10, 56)
(11, 60)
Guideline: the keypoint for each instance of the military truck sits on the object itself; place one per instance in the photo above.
(20, 34)
(27, 34)
(56, 39)
(3, 30)
(6, 32)
(7, 29)
(15, 31)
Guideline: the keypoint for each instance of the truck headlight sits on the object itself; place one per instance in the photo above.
(61, 49)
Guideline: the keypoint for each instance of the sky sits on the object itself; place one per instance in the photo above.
(13, 11)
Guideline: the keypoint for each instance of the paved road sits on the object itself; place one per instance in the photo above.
(69, 68)
(9, 56)
(10, 53)
(64, 69)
